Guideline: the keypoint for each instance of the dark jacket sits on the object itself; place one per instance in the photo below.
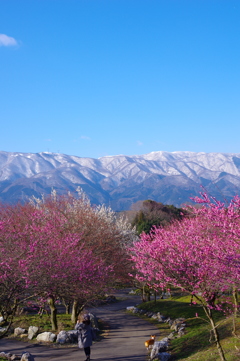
(85, 335)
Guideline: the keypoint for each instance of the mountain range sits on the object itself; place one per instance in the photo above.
(119, 181)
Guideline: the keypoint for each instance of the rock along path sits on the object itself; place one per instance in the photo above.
(125, 340)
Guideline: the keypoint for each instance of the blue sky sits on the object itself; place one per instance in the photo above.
(105, 77)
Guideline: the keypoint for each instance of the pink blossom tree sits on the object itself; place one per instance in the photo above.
(66, 269)
(41, 256)
(15, 259)
(60, 247)
(199, 255)
(102, 231)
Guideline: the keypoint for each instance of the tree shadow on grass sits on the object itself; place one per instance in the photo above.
(187, 346)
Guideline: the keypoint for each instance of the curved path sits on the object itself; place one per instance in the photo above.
(125, 340)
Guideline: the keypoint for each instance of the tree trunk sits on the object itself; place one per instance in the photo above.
(143, 294)
(67, 306)
(214, 332)
(148, 295)
(235, 303)
(76, 309)
(14, 308)
(74, 312)
(51, 303)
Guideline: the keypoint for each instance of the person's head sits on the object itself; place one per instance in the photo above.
(86, 319)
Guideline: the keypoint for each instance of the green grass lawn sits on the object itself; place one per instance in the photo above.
(195, 345)
(44, 322)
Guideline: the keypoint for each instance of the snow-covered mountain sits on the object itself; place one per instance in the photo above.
(119, 181)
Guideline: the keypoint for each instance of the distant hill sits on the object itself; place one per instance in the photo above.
(146, 214)
(119, 181)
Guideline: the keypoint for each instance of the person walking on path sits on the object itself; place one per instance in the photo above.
(86, 334)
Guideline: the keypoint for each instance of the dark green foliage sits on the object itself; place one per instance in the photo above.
(153, 213)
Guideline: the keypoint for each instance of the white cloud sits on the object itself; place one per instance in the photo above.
(7, 40)
(139, 143)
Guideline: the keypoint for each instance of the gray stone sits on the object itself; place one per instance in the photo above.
(46, 337)
(171, 336)
(181, 331)
(15, 357)
(63, 337)
(67, 337)
(26, 356)
(135, 310)
(149, 314)
(23, 335)
(159, 346)
(160, 317)
(19, 331)
(9, 356)
(179, 321)
(3, 355)
(132, 292)
(131, 308)
(168, 320)
(177, 324)
(163, 356)
(32, 332)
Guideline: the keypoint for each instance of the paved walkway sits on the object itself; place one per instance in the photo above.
(125, 340)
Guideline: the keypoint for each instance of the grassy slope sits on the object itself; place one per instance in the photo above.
(195, 345)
